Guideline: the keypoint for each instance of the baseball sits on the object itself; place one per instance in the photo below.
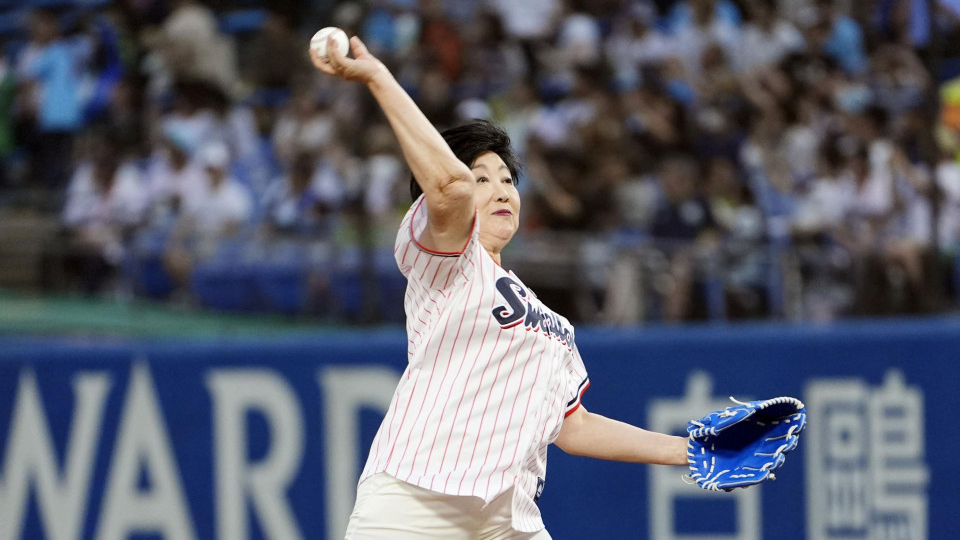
(319, 40)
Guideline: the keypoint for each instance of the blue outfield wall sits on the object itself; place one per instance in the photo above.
(264, 438)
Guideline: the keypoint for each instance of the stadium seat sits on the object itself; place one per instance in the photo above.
(223, 287)
(12, 23)
(53, 4)
(244, 20)
(269, 97)
(773, 287)
(956, 277)
(151, 278)
(281, 274)
(715, 293)
(223, 281)
(346, 284)
(281, 288)
(144, 264)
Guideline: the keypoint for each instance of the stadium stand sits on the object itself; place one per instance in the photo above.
(707, 159)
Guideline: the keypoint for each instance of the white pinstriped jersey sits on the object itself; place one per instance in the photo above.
(491, 375)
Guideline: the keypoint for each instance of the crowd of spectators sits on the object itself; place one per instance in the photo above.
(751, 149)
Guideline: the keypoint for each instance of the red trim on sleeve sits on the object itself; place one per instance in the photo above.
(578, 398)
(430, 251)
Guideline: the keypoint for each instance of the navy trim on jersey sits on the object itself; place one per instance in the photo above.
(576, 399)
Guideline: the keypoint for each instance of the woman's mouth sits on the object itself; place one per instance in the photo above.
(503, 213)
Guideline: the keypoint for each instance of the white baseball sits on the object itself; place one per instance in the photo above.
(319, 40)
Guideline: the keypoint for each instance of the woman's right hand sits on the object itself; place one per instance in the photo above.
(363, 67)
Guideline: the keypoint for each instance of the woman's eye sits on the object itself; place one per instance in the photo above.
(508, 180)
(482, 179)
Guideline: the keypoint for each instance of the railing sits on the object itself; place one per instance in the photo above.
(628, 281)
(610, 279)
(631, 280)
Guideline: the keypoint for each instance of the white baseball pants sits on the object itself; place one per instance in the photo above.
(390, 509)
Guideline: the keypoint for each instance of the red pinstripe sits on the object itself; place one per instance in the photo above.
(473, 329)
(545, 421)
(483, 340)
(513, 409)
(525, 410)
(404, 258)
(440, 264)
(422, 294)
(446, 282)
(413, 265)
(426, 393)
(413, 465)
(426, 266)
(413, 393)
(475, 395)
(499, 407)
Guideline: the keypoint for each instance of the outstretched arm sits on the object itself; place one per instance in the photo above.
(447, 183)
(593, 435)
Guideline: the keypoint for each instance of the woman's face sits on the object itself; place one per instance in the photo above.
(497, 201)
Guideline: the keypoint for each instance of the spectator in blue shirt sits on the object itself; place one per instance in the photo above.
(52, 76)
(844, 39)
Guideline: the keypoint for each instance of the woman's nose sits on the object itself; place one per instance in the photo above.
(503, 194)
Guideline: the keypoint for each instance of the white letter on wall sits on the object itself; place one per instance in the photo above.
(30, 456)
(236, 392)
(345, 391)
(142, 440)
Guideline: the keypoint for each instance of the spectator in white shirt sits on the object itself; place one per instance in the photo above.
(172, 171)
(304, 126)
(766, 38)
(210, 212)
(105, 201)
(292, 205)
(865, 231)
(822, 205)
(579, 40)
(383, 172)
(906, 249)
(528, 21)
(706, 26)
(947, 174)
(634, 43)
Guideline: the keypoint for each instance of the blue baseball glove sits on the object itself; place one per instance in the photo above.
(742, 445)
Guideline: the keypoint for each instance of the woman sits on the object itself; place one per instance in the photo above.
(493, 376)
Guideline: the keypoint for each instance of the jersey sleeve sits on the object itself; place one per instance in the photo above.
(577, 381)
(433, 269)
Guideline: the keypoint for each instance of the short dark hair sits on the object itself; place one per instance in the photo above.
(470, 141)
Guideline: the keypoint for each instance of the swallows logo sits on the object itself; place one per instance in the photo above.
(519, 309)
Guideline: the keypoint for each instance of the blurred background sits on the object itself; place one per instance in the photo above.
(702, 160)
(201, 320)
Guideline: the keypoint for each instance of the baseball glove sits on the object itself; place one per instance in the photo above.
(742, 445)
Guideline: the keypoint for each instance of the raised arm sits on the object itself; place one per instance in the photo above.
(447, 183)
(593, 435)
